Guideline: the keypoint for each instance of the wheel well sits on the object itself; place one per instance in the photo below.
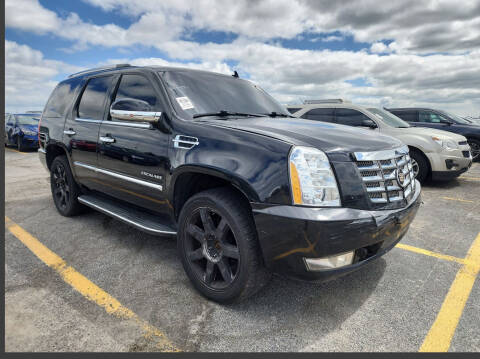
(189, 184)
(52, 152)
(420, 152)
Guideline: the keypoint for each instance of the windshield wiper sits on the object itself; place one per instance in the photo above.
(276, 114)
(224, 113)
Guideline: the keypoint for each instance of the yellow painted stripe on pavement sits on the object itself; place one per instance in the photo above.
(441, 333)
(430, 253)
(85, 287)
(457, 199)
(12, 150)
(470, 178)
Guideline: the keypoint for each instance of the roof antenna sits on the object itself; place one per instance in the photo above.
(235, 74)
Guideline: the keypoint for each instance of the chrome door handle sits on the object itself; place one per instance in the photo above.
(106, 139)
(69, 132)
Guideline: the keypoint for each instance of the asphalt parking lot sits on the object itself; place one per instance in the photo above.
(91, 283)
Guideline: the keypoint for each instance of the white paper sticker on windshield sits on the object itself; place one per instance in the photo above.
(184, 102)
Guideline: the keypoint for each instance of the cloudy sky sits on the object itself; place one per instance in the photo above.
(382, 53)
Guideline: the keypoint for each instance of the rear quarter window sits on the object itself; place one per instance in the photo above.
(61, 98)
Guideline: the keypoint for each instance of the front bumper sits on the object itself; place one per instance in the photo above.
(450, 164)
(288, 234)
(29, 141)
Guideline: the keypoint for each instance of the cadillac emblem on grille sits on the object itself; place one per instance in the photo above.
(400, 177)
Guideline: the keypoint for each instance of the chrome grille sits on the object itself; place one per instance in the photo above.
(382, 173)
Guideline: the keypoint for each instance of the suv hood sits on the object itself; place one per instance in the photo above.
(428, 132)
(328, 137)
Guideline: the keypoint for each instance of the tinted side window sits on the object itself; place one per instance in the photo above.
(92, 103)
(137, 87)
(61, 98)
(292, 110)
(431, 117)
(320, 114)
(350, 117)
(409, 116)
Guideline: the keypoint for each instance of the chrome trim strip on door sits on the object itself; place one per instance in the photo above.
(122, 218)
(118, 175)
(129, 124)
(87, 120)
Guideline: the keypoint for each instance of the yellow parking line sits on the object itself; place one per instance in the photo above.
(87, 288)
(470, 178)
(441, 333)
(457, 199)
(430, 253)
(12, 150)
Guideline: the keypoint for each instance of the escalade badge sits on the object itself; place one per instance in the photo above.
(400, 177)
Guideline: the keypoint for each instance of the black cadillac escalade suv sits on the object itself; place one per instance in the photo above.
(215, 161)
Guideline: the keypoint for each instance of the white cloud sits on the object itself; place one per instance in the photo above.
(402, 76)
(29, 78)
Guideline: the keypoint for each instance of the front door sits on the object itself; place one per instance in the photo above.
(133, 157)
(82, 126)
(433, 120)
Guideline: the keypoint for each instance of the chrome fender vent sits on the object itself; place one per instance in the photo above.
(185, 142)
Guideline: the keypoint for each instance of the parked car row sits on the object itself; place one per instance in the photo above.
(21, 130)
(435, 154)
(246, 188)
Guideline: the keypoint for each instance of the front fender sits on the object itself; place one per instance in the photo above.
(255, 164)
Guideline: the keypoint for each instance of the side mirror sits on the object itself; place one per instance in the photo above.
(369, 123)
(130, 109)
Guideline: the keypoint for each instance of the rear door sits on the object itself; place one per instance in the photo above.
(320, 114)
(82, 126)
(133, 156)
(410, 116)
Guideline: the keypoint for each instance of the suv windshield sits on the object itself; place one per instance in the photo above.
(199, 93)
(455, 118)
(389, 118)
(27, 120)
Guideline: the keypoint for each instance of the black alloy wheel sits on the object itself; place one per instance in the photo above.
(475, 149)
(211, 247)
(218, 245)
(65, 190)
(61, 191)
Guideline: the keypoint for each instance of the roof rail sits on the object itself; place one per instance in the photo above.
(109, 67)
(333, 100)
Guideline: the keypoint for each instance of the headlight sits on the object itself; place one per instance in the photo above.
(447, 144)
(311, 177)
(28, 132)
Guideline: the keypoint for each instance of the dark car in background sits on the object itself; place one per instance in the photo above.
(442, 120)
(21, 130)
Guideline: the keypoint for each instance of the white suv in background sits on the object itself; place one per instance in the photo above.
(439, 154)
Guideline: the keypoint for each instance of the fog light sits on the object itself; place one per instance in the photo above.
(337, 261)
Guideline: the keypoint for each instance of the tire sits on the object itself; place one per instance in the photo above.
(65, 190)
(19, 144)
(213, 223)
(475, 149)
(419, 160)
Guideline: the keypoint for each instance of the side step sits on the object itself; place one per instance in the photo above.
(137, 218)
